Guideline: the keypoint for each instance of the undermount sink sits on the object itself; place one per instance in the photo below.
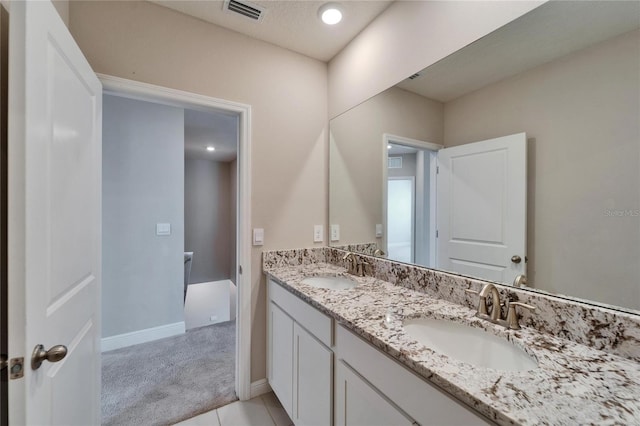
(468, 344)
(330, 282)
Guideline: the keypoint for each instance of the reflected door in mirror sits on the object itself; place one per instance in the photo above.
(482, 191)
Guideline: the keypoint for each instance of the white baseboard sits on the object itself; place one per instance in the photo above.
(260, 387)
(141, 336)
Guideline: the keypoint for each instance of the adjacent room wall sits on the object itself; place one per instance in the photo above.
(407, 37)
(142, 184)
(209, 226)
(580, 114)
(356, 186)
(287, 93)
(62, 7)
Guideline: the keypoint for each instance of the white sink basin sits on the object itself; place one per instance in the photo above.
(467, 344)
(330, 282)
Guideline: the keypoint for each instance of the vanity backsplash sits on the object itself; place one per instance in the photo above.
(599, 327)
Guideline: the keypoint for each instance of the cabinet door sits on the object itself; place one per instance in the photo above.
(358, 403)
(281, 356)
(312, 389)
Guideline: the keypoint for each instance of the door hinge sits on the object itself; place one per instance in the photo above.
(437, 170)
(436, 233)
(240, 269)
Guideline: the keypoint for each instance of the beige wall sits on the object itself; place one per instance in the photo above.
(407, 37)
(62, 6)
(580, 114)
(356, 150)
(287, 92)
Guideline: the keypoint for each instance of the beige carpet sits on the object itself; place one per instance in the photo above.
(169, 380)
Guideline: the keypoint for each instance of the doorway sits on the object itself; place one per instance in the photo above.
(401, 218)
(409, 200)
(210, 198)
(162, 227)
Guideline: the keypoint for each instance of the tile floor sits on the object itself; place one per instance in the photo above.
(264, 410)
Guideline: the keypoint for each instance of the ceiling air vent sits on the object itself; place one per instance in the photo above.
(414, 76)
(244, 8)
(394, 162)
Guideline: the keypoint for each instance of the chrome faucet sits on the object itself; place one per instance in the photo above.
(351, 260)
(356, 265)
(488, 289)
(379, 253)
(520, 281)
(511, 321)
(360, 266)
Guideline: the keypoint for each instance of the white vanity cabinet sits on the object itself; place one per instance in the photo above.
(374, 389)
(300, 361)
(324, 374)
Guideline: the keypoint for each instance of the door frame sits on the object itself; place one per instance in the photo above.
(388, 138)
(151, 93)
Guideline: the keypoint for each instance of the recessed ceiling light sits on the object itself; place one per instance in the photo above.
(330, 13)
(211, 148)
(388, 146)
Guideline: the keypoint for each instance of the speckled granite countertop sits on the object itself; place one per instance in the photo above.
(574, 384)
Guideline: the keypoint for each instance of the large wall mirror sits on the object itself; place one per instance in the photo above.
(517, 156)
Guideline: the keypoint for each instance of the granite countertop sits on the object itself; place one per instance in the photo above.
(574, 384)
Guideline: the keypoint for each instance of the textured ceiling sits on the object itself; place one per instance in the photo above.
(291, 24)
(202, 129)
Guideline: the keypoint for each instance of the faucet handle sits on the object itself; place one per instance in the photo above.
(379, 253)
(512, 316)
(482, 301)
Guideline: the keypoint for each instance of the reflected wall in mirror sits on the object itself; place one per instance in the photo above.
(568, 75)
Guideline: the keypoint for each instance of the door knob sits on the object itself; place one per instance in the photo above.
(516, 259)
(55, 354)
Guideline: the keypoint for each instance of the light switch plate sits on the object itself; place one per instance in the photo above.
(317, 233)
(378, 230)
(163, 229)
(258, 236)
(335, 232)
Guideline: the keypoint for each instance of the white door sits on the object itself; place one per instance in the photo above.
(482, 194)
(55, 138)
(400, 218)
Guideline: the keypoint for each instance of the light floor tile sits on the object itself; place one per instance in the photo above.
(245, 413)
(274, 407)
(210, 418)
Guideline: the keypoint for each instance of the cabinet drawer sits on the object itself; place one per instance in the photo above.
(421, 400)
(317, 323)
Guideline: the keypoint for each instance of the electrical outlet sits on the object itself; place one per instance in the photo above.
(335, 232)
(317, 233)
